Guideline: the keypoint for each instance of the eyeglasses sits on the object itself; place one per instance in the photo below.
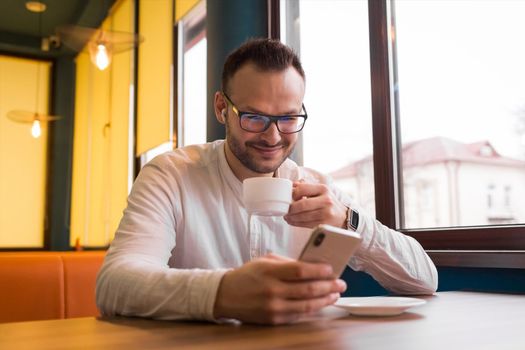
(253, 122)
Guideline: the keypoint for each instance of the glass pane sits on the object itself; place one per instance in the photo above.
(332, 40)
(192, 129)
(195, 94)
(461, 101)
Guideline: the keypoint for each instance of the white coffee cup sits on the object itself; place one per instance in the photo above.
(267, 196)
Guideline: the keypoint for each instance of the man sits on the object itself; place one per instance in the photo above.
(182, 248)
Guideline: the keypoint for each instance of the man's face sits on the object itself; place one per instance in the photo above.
(268, 93)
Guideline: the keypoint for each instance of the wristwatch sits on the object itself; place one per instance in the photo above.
(352, 219)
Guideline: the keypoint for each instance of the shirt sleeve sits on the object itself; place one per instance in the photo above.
(397, 261)
(135, 279)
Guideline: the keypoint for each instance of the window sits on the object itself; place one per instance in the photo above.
(447, 113)
(460, 90)
(337, 138)
(192, 70)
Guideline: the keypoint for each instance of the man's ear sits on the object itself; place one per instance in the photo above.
(220, 106)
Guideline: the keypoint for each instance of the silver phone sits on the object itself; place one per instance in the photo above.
(331, 245)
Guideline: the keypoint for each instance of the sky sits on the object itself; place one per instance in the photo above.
(460, 68)
(194, 87)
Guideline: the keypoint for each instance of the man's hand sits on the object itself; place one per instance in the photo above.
(276, 290)
(314, 204)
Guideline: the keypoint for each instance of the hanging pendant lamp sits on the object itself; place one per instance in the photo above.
(34, 118)
(102, 44)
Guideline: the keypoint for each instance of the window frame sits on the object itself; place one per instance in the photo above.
(473, 246)
(191, 26)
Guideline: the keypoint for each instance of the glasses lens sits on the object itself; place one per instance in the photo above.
(254, 122)
(290, 124)
(259, 123)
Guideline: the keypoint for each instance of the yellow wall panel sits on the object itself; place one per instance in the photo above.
(122, 75)
(154, 74)
(23, 159)
(90, 154)
(98, 162)
(182, 7)
(101, 151)
(81, 151)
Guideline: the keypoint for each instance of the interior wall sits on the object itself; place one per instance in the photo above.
(184, 6)
(61, 154)
(450, 278)
(101, 140)
(24, 85)
(228, 24)
(155, 75)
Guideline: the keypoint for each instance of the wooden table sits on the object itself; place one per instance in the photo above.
(449, 320)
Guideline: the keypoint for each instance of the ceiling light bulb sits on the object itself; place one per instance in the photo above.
(35, 6)
(102, 57)
(36, 131)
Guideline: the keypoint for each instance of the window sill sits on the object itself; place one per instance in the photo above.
(478, 258)
(496, 239)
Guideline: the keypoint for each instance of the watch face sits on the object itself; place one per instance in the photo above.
(354, 220)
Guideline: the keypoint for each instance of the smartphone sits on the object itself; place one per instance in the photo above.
(331, 245)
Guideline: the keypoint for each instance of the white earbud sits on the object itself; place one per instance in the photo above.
(223, 112)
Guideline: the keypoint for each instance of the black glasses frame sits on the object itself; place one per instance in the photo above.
(269, 118)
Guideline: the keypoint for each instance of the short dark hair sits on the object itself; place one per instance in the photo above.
(266, 54)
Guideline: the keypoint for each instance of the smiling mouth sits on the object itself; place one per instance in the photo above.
(266, 150)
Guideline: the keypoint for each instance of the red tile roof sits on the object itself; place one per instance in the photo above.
(439, 150)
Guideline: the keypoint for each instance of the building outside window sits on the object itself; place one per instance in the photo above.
(457, 94)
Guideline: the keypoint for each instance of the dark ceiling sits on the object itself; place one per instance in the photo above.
(21, 30)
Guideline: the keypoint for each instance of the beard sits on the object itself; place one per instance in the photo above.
(243, 154)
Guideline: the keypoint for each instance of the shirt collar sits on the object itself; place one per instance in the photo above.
(227, 174)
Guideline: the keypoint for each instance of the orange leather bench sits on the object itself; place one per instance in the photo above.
(48, 285)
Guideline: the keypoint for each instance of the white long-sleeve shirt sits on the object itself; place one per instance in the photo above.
(185, 225)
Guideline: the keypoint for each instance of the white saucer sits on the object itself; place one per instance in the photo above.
(378, 306)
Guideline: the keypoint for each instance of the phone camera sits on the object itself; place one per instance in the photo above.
(319, 239)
